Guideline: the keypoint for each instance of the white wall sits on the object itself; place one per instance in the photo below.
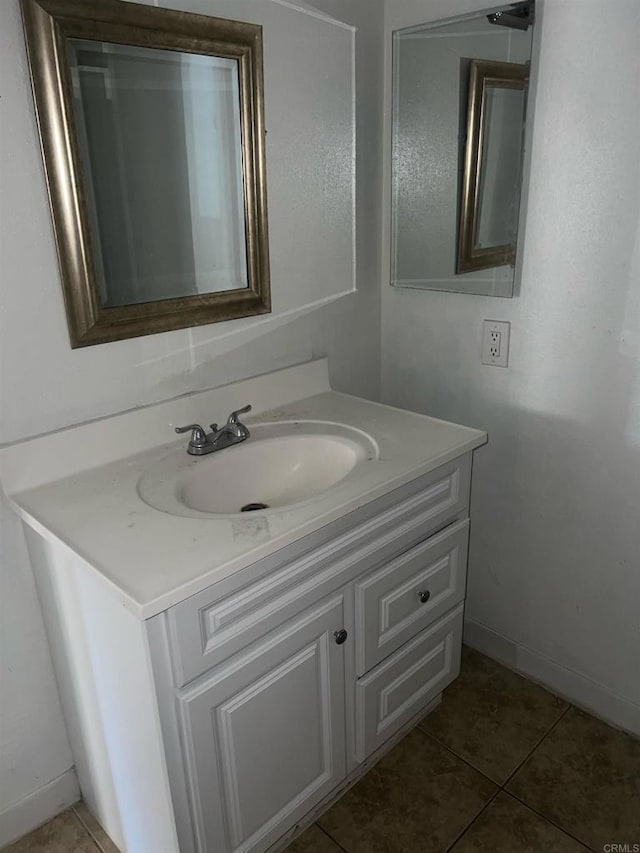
(309, 149)
(45, 385)
(555, 542)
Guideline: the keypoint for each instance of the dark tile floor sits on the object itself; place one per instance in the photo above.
(73, 831)
(502, 766)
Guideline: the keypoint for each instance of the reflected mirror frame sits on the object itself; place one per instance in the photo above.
(48, 25)
(482, 74)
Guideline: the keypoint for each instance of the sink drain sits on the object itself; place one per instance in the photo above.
(253, 507)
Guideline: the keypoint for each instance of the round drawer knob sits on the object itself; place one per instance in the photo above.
(424, 596)
(340, 636)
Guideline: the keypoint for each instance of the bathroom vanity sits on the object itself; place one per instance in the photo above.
(226, 675)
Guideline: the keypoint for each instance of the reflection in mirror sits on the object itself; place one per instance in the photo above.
(431, 76)
(152, 131)
(501, 152)
(159, 135)
(492, 165)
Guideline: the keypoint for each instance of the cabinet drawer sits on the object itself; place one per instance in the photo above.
(395, 691)
(211, 625)
(406, 595)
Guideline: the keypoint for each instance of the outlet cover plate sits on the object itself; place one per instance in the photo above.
(495, 342)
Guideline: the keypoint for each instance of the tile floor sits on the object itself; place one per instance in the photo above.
(73, 831)
(502, 766)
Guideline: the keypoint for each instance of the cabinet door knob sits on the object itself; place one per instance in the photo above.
(424, 596)
(340, 636)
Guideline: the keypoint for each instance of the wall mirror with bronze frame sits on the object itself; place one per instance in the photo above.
(492, 165)
(152, 130)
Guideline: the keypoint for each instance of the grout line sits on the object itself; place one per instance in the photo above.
(503, 790)
(328, 834)
(86, 829)
(528, 805)
(500, 785)
(471, 822)
(538, 742)
(552, 822)
(497, 786)
(460, 757)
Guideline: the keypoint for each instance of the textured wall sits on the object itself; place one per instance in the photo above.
(555, 548)
(45, 385)
(310, 174)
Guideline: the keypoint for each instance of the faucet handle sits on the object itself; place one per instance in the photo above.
(198, 435)
(233, 417)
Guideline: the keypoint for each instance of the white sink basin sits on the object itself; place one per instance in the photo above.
(279, 465)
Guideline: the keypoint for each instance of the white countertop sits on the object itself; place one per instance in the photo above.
(151, 559)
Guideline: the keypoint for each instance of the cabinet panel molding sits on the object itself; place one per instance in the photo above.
(405, 595)
(208, 627)
(280, 704)
(398, 688)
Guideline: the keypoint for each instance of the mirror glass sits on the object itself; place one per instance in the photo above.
(500, 167)
(457, 151)
(152, 130)
(159, 138)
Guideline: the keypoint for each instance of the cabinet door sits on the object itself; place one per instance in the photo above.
(265, 734)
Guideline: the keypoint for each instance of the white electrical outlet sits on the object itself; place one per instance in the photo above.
(495, 342)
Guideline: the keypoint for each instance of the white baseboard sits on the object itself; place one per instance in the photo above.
(575, 688)
(39, 807)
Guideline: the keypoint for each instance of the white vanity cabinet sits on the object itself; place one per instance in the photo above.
(225, 676)
(277, 686)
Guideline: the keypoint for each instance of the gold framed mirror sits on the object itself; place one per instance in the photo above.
(492, 173)
(152, 130)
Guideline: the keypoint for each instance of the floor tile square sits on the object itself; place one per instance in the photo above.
(492, 717)
(313, 840)
(419, 797)
(585, 776)
(63, 834)
(506, 826)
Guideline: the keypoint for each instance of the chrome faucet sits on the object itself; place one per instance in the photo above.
(233, 432)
